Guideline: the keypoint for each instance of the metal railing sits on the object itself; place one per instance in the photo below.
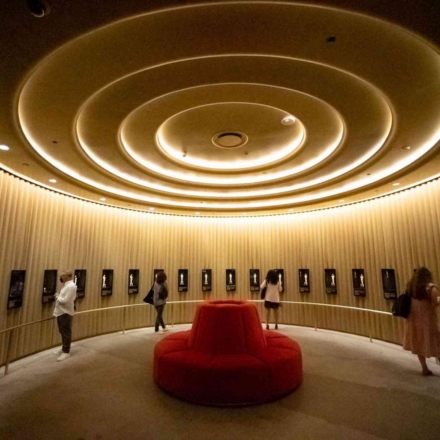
(9, 331)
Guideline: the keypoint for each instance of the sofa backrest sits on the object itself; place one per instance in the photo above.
(227, 327)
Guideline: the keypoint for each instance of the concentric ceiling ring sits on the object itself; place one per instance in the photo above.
(145, 120)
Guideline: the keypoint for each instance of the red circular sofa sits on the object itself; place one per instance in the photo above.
(227, 358)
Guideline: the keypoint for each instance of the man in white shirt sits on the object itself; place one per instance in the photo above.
(64, 310)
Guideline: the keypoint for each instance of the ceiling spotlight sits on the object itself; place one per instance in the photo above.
(406, 147)
(52, 180)
(38, 8)
(4, 147)
(341, 201)
(102, 199)
(288, 120)
(151, 209)
(197, 213)
(396, 184)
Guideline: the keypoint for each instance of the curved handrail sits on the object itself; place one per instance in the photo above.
(10, 329)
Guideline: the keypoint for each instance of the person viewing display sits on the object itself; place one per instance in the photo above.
(160, 299)
(272, 298)
(64, 310)
(421, 333)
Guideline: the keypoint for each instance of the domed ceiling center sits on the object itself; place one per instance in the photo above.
(231, 135)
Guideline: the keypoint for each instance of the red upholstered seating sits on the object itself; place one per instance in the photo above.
(227, 358)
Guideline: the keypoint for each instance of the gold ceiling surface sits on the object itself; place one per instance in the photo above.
(221, 108)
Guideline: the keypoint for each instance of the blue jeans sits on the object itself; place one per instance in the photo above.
(159, 319)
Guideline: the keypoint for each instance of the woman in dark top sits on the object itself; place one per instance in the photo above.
(160, 299)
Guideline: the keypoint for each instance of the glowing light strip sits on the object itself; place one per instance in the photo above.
(262, 204)
(227, 180)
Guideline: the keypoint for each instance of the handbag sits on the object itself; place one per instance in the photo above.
(402, 306)
(149, 298)
(263, 292)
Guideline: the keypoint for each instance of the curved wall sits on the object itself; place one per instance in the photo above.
(40, 229)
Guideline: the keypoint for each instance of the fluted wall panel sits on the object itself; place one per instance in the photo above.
(41, 229)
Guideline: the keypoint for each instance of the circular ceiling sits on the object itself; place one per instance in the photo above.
(223, 107)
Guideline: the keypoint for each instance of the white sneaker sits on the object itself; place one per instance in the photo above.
(63, 357)
(58, 352)
(164, 330)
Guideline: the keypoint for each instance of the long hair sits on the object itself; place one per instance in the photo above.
(416, 286)
(272, 277)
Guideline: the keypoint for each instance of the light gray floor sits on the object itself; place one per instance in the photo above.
(352, 389)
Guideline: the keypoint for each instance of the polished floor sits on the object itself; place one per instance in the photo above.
(352, 389)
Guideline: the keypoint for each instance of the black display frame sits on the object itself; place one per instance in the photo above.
(389, 284)
(304, 280)
(281, 279)
(254, 280)
(16, 289)
(49, 286)
(331, 281)
(358, 282)
(206, 280)
(182, 280)
(231, 284)
(80, 279)
(107, 279)
(133, 281)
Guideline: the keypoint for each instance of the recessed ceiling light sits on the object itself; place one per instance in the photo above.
(342, 200)
(102, 199)
(4, 147)
(151, 209)
(288, 120)
(291, 210)
(197, 213)
(52, 180)
(396, 184)
(406, 147)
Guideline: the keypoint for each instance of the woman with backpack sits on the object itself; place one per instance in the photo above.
(160, 299)
(422, 335)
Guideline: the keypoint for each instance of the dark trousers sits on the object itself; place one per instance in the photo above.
(64, 322)
(159, 319)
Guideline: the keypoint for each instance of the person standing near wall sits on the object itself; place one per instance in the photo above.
(272, 298)
(160, 299)
(422, 335)
(64, 310)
